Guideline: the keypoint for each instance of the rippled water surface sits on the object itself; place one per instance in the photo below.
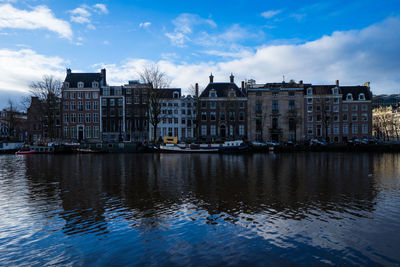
(197, 210)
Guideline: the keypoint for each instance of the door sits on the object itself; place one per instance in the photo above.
(80, 133)
(223, 131)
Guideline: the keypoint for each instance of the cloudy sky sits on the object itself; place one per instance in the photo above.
(315, 41)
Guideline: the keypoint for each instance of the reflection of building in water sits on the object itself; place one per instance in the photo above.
(151, 187)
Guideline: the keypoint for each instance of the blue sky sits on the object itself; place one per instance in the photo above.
(315, 41)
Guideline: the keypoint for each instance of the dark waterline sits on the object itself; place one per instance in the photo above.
(172, 209)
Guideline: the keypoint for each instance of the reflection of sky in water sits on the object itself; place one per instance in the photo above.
(148, 209)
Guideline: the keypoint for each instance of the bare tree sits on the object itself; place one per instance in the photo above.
(11, 119)
(48, 91)
(156, 80)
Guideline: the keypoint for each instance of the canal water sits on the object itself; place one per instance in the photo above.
(200, 210)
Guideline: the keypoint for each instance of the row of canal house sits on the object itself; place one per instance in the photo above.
(93, 111)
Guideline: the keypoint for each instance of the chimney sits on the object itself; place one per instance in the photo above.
(337, 83)
(211, 78)
(103, 75)
(232, 78)
(301, 82)
(244, 88)
(196, 90)
(68, 71)
(367, 84)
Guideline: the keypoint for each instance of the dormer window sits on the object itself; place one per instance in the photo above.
(66, 85)
(80, 84)
(95, 85)
(309, 91)
(361, 96)
(335, 91)
(176, 95)
(231, 93)
(213, 93)
(349, 96)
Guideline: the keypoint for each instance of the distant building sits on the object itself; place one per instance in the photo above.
(136, 111)
(385, 100)
(13, 125)
(338, 113)
(275, 111)
(222, 111)
(112, 114)
(81, 105)
(386, 122)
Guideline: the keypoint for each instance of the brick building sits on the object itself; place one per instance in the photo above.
(222, 111)
(81, 105)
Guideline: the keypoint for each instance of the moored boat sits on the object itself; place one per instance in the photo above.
(186, 149)
(35, 150)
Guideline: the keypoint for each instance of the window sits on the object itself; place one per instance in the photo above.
(364, 128)
(231, 93)
(87, 95)
(354, 128)
(80, 106)
(231, 130)
(103, 102)
(354, 117)
(87, 117)
(65, 132)
(292, 124)
(354, 107)
(335, 91)
(241, 105)
(345, 108)
(212, 93)
(72, 95)
(73, 118)
(349, 96)
(212, 105)
(66, 84)
(364, 117)
(310, 118)
(66, 105)
(176, 95)
(291, 93)
(183, 121)
(95, 84)
(258, 107)
(241, 116)
(274, 123)
(335, 117)
(129, 100)
(212, 116)
(232, 115)
(203, 130)
(80, 118)
(309, 129)
(80, 84)
(204, 116)
(112, 102)
(203, 104)
(73, 132)
(95, 118)
(176, 120)
(96, 132)
(336, 100)
(95, 105)
(275, 106)
(361, 96)
(212, 130)
(87, 105)
(309, 91)
(309, 101)
(128, 91)
(336, 129)
(120, 102)
(222, 116)
(65, 118)
(241, 130)
(88, 130)
(176, 132)
(275, 94)
(309, 108)
(345, 129)
(65, 95)
(183, 111)
(291, 105)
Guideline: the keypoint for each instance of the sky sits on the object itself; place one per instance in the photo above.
(314, 41)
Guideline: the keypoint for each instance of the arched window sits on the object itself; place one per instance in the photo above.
(309, 91)
(212, 93)
(80, 84)
(361, 96)
(66, 84)
(176, 95)
(349, 96)
(95, 84)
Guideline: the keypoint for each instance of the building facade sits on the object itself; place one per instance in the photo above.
(222, 111)
(81, 106)
(386, 123)
(337, 113)
(112, 114)
(275, 111)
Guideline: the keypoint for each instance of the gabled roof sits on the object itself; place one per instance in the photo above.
(86, 78)
(222, 90)
(322, 89)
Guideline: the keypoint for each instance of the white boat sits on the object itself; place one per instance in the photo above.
(188, 149)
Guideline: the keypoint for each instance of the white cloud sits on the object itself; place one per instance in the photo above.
(184, 25)
(83, 14)
(270, 13)
(41, 17)
(19, 68)
(144, 24)
(353, 57)
(100, 8)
